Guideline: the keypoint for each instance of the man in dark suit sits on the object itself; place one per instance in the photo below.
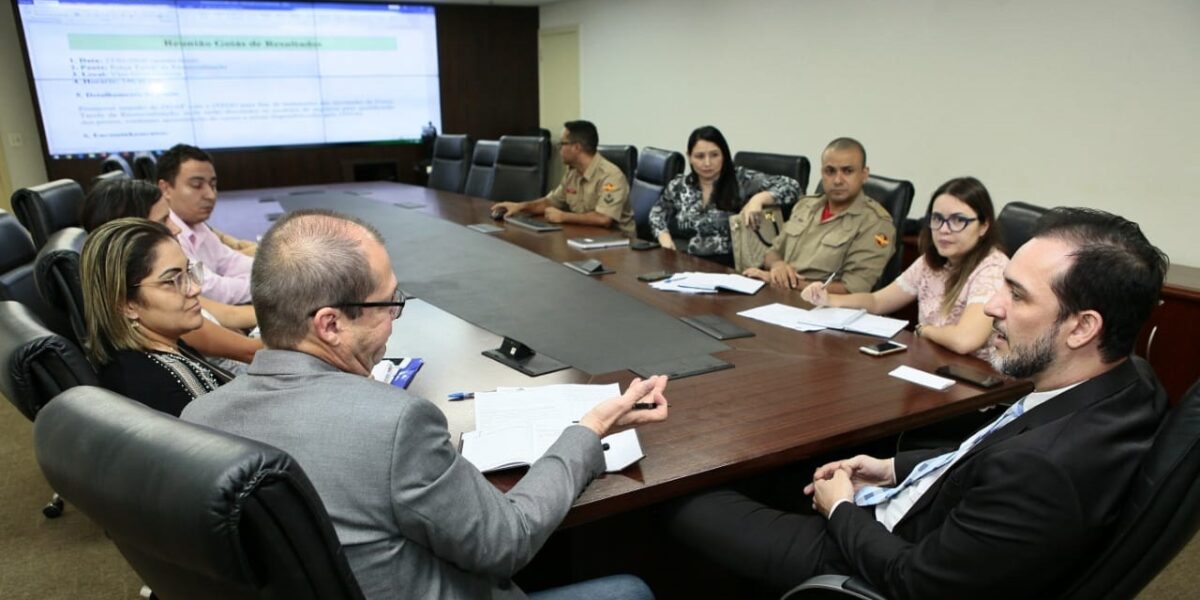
(1023, 504)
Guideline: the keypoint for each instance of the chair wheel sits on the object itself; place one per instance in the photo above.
(54, 509)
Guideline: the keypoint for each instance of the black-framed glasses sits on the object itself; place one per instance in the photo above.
(396, 304)
(956, 222)
(182, 280)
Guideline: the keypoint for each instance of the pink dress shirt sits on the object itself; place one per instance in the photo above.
(226, 271)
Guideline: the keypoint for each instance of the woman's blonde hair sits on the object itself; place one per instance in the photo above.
(116, 256)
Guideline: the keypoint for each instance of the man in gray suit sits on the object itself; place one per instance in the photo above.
(416, 519)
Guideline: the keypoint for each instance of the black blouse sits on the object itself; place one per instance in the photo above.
(161, 380)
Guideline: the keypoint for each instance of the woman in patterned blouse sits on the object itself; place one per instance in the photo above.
(140, 296)
(695, 208)
(962, 266)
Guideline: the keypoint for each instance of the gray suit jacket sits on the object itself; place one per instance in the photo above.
(416, 519)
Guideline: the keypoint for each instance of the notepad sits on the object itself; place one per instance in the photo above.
(853, 319)
(597, 243)
(514, 447)
(920, 377)
(693, 282)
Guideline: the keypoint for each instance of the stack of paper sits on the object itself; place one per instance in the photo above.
(847, 319)
(596, 243)
(708, 283)
(514, 427)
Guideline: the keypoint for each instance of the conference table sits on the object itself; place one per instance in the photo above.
(790, 396)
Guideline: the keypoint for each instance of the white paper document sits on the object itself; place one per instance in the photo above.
(920, 377)
(515, 426)
(856, 320)
(708, 283)
(781, 315)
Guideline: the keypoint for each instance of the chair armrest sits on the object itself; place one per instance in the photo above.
(833, 587)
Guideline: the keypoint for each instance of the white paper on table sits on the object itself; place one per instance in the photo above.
(551, 407)
(832, 316)
(782, 315)
(727, 281)
(673, 284)
(884, 327)
(623, 450)
(920, 377)
(499, 449)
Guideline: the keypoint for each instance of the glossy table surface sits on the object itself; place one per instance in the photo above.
(791, 395)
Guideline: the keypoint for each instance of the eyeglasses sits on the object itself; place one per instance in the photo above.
(396, 304)
(956, 222)
(183, 280)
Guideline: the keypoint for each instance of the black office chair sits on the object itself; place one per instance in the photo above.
(1159, 518)
(483, 168)
(196, 512)
(451, 160)
(56, 272)
(18, 281)
(35, 366)
(145, 166)
(116, 162)
(1017, 221)
(547, 150)
(46, 208)
(790, 165)
(520, 168)
(655, 169)
(896, 195)
(624, 157)
(108, 176)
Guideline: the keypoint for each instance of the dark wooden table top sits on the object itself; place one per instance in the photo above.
(791, 395)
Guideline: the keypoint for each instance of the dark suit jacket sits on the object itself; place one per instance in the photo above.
(1026, 509)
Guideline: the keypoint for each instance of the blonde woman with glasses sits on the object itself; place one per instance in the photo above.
(141, 295)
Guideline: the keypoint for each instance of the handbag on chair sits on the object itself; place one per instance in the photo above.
(750, 245)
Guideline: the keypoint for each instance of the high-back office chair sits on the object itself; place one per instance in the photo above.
(520, 168)
(108, 176)
(145, 166)
(56, 272)
(198, 513)
(1160, 516)
(483, 168)
(18, 280)
(116, 162)
(547, 150)
(896, 195)
(46, 208)
(655, 169)
(451, 160)
(35, 366)
(1017, 220)
(624, 157)
(790, 165)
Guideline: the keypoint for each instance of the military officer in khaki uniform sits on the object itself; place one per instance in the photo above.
(842, 231)
(593, 191)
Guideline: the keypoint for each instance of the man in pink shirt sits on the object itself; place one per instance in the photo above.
(188, 182)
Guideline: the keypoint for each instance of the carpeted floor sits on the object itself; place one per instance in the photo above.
(69, 557)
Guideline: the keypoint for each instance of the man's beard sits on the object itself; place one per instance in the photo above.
(1023, 362)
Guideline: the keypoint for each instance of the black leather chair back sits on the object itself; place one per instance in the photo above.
(520, 168)
(196, 512)
(451, 160)
(789, 165)
(18, 281)
(56, 272)
(116, 162)
(36, 364)
(483, 168)
(108, 176)
(1161, 514)
(896, 195)
(1017, 221)
(625, 157)
(655, 169)
(46, 208)
(145, 166)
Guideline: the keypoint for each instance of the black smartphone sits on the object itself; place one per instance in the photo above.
(654, 276)
(640, 244)
(982, 379)
(883, 348)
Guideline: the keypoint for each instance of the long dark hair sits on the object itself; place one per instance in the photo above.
(972, 193)
(725, 189)
(117, 199)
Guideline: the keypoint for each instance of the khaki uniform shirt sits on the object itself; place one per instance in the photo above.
(601, 188)
(857, 242)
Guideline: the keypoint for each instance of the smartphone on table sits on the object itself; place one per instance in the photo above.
(982, 379)
(883, 348)
(654, 276)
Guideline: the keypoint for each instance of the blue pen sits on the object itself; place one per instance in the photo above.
(456, 396)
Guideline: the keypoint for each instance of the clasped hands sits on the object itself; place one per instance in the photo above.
(839, 480)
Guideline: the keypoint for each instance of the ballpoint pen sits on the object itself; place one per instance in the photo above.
(456, 396)
(829, 280)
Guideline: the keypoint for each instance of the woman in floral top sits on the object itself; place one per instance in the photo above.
(961, 267)
(696, 207)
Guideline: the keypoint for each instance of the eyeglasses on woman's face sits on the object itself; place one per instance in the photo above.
(955, 222)
(182, 280)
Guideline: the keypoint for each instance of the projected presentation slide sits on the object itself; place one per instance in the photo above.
(129, 75)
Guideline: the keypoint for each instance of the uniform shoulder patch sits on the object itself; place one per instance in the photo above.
(609, 187)
(881, 240)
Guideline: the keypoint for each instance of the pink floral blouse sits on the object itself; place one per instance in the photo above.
(929, 286)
